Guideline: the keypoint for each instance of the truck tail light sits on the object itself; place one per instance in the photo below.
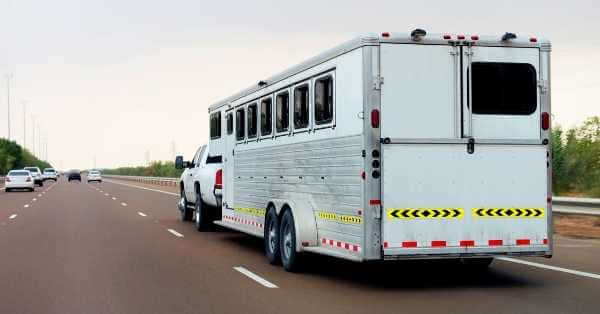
(545, 121)
(375, 118)
(219, 179)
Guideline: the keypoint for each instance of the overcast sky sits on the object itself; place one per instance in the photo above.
(115, 79)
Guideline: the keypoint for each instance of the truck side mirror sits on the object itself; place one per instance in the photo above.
(179, 162)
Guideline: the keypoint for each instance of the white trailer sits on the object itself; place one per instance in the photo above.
(395, 146)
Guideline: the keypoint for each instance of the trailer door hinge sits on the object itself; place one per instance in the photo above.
(543, 84)
(377, 82)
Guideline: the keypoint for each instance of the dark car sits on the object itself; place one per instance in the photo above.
(74, 175)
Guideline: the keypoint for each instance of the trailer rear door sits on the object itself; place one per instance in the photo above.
(440, 194)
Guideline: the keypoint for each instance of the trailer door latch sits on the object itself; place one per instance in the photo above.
(471, 146)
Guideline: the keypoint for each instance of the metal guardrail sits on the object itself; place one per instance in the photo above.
(149, 180)
(592, 205)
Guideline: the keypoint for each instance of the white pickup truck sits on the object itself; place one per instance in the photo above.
(201, 185)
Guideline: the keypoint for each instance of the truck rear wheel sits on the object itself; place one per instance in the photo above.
(287, 243)
(201, 213)
(272, 245)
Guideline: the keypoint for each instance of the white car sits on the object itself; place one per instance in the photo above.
(50, 174)
(18, 179)
(36, 173)
(94, 176)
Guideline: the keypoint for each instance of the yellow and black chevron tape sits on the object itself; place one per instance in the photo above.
(508, 212)
(251, 211)
(425, 213)
(347, 219)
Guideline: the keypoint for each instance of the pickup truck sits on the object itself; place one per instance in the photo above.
(201, 186)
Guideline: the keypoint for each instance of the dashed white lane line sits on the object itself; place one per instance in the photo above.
(142, 214)
(35, 199)
(106, 194)
(13, 216)
(255, 277)
(544, 266)
(39, 195)
(175, 233)
(114, 198)
(124, 204)
(142, 188)
(26, 205)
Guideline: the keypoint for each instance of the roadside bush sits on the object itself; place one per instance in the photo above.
(12, 156)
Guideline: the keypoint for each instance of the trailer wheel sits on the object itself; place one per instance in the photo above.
(200, 213)
(287, 243)
(186, 213)
(272, 245)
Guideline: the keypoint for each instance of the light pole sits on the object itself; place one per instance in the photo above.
(24, 103)
(33, 137)
(8, 78)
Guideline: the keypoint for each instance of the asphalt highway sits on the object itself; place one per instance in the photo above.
(119, 247)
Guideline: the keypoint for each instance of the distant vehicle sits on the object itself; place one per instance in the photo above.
(94, 175)
(74, 175)
(394, 146)
(18, 179)
(50, 174)
(200, 188)
(36, 173)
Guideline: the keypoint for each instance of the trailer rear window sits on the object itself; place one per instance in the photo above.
(324, 100)
(282, 108)
(252, 120)
(266, 116)
(240, 124)
(504, 88)
(301, 106)
(215, 125)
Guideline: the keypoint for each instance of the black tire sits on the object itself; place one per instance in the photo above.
(31, 189)
(272, 245)
(186, 213)
(6, 190)
(41, 184)
(477, 263)
(201, 214)
(287, 243)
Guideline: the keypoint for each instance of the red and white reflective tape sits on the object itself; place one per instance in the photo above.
(243, 221)
(350, 247)
(464, 243)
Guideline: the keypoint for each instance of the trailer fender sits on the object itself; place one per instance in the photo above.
(304, 221)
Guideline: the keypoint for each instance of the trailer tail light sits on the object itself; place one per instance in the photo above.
(219, 179)
(495, 242)
(533, 40)
(447, 37)
(375, 118)
(523, 242)
(461, 37)
(385, 34)
(467, 243)
(545, 121)
(474, 37)
(363, 175)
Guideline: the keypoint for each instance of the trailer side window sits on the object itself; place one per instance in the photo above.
(301, 104)
(504, 88)
(240, 124)
(252, 121)
(215, 125)
(229, 123)
(282, 112)
(266, 116)
(324, 100)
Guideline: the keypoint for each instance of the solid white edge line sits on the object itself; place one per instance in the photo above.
(142, 188)
(142, 214)
(13, 216)
(175, 233)
(255, 277)
(564, 270)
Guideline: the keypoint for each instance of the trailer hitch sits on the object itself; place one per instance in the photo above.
(471, 146)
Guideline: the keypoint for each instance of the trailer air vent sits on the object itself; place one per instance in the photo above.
(418, 34)
(508, 36)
